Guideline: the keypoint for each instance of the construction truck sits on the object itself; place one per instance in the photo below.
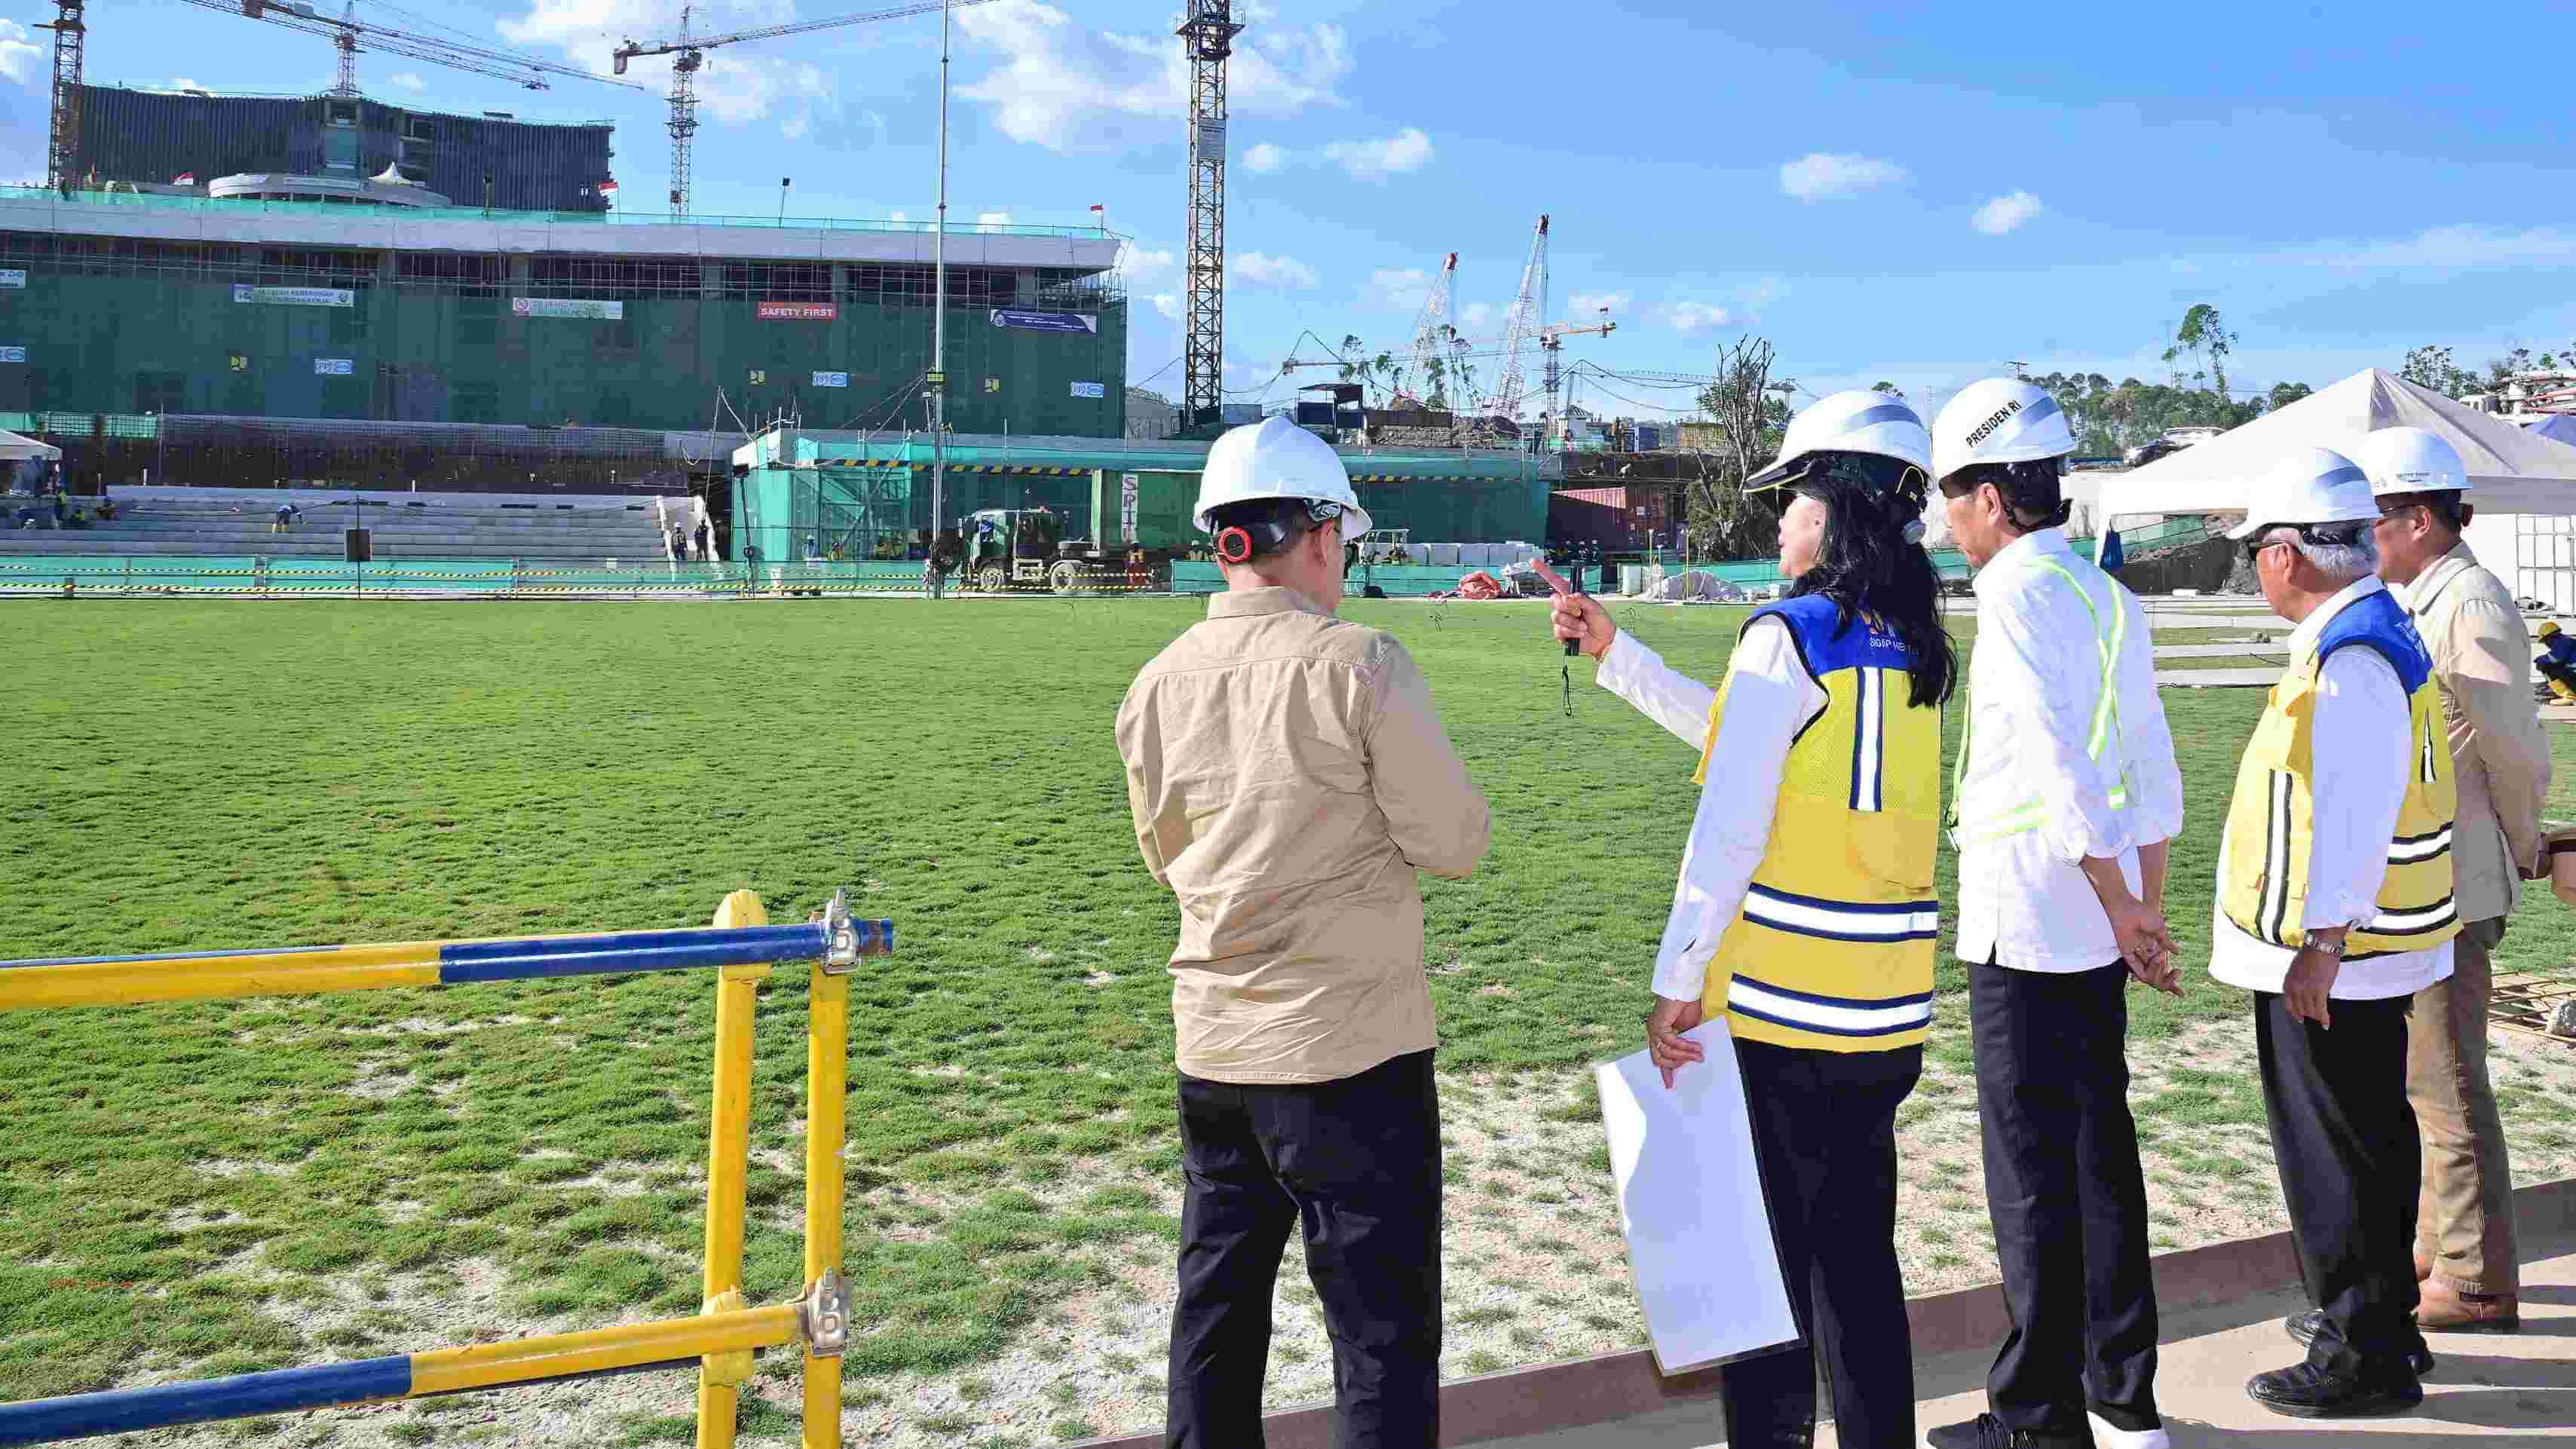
(1140, 522)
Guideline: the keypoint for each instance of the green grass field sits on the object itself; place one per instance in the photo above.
(207, 774)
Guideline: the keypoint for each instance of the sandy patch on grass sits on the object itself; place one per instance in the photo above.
(1534, 1267)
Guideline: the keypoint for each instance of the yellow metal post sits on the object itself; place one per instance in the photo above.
(827, 1075)
(720, 1375)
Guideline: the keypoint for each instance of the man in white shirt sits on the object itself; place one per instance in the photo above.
(2067, 794)
(2334, 907)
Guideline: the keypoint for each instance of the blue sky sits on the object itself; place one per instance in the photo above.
(1910, 193)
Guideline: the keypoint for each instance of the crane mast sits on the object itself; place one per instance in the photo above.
(1207, 38)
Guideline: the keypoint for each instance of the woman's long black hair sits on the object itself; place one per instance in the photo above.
(1866, 565)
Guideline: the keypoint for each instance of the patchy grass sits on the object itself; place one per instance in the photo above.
(221, 1187)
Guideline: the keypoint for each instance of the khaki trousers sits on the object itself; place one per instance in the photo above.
(2464, 1217)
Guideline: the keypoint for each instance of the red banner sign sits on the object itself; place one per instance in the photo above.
(799, 311)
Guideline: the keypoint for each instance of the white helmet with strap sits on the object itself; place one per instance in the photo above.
(1858, 421)
(2411, 460)
(1275, 458)
(2309, 486)
(1998, 420)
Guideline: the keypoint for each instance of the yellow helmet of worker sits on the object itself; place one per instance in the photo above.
(2548, 627)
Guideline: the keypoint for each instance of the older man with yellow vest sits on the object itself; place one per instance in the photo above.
(2334, 908)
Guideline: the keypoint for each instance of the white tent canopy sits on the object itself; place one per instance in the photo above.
(13, 448)
(2558, 427)
(2510, 470)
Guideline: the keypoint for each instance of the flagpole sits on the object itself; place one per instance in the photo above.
(938, 379)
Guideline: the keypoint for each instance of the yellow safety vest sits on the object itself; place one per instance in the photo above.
(1832, 948)
(2264, 889)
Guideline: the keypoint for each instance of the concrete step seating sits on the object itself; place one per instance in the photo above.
(181, 522)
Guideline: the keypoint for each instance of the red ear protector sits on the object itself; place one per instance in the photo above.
(1234, 546)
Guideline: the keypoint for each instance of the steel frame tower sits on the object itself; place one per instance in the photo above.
(684, 114)
(1208, 38)
(62, 152)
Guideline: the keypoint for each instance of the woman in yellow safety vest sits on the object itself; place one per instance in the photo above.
(1805, 912)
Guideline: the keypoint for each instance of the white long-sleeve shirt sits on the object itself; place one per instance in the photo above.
(2034, 683)
(1769, 698)
(2363, 751)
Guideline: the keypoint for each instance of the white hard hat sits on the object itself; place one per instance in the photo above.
(1275, 458)
(2411, 460)
(2312, 485)
(1999, 420)
(1859, 421)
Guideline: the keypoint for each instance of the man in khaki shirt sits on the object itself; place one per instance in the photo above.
(2464, 1246)
(1288, 778)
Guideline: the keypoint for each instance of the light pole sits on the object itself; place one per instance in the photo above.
(936, 383)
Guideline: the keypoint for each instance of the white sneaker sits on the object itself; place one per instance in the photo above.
(2107, 1437)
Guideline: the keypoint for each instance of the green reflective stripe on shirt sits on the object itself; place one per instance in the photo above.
(2031, 814)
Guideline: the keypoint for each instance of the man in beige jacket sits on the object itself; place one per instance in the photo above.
(2464, 1244)
(1288, 776)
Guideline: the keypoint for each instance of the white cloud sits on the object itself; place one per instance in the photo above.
(1265, 157)
(1169, 305)
(1396, 289)
(1829, 176)
(408, 80)
(1406, 150)
(795, 126)
(1270, 271)
(2006, 212)
(992, 218)
(1690, 317)
(1141, 266)
(187, 83)
(1582, 305)
(2459, 246)
(1475, 315)
(1072, 89)
(21, 59)
(898, 216)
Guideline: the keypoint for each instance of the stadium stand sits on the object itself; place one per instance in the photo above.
(184, 522)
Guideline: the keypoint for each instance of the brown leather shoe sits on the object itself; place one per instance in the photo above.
(2442, 1308)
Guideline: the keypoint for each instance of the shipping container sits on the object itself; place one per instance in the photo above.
(1165, 503)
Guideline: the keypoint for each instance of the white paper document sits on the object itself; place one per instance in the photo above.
(1690, 1202)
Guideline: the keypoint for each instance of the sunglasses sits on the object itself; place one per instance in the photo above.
(2318, 533)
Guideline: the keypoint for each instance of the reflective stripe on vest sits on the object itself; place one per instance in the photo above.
(1831, 946)
(2263, 886)
(2030, 814)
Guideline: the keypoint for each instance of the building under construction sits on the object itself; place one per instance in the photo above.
(150, 138)
(260, 328)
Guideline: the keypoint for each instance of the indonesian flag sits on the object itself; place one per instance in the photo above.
(1096, 206)
(608, 187)
(184, 178)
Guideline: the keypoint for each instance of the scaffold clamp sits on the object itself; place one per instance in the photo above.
(824, 1314)
(840, 937)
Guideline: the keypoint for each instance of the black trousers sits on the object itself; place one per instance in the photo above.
(2067, 1196)
(1357, 1161)
(1824, 1135)
(2351, 1167)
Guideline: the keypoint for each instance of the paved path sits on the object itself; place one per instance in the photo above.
(2222, 651)
(2220, 679)
(2505, 1390)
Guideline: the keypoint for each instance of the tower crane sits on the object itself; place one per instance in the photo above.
(1529, 304)
(689, 54)
(351, 37)
(1207, 39)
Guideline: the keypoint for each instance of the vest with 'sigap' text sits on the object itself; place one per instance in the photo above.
(1832, 948)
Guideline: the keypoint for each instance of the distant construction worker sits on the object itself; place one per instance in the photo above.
(1288, 777)
(1805, 910)
(939, 564)
(283, 519)
(2557, 662)
(2335, 906)
(2065, 797)
(2465, 1254)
